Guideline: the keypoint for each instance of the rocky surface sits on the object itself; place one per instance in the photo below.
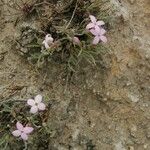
(108, 106)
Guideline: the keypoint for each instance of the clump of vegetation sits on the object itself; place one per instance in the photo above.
(17, 123)
(68, 32)
(65, 21)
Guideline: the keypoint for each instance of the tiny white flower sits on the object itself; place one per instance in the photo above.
(36, 104)
(48, 41)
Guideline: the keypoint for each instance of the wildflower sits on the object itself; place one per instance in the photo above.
(22, 131)
(94, 23)
(99, 35)
(36, 104)
(48, 41)
(76, 40)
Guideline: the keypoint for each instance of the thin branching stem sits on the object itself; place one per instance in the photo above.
(72, 15)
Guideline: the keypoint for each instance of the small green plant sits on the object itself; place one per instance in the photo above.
(68, 33)
(17, 112)
(71, 42)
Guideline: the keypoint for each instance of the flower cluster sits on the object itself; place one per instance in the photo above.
(95, 27)
(36, 105)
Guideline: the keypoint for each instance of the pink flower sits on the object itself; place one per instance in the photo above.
(99, 35)
(36, 104)
(76, 40)
(22, 131)
(48, 41)
(94, 23)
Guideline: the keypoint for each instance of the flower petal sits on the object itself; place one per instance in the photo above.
(16, 133)
(47, 36)
(38, 98)
(49, 40)
(24, 136)
(90, 25)
(19, 126)
(103, 39)
(31, 102)
(97, 29)
(46, 45)
(34, 109)
(102, 31)
(100, 23)
(96, 40)
(93, 31)
(41, 106)
(93, 19)
(28, 130)
(44, 42)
